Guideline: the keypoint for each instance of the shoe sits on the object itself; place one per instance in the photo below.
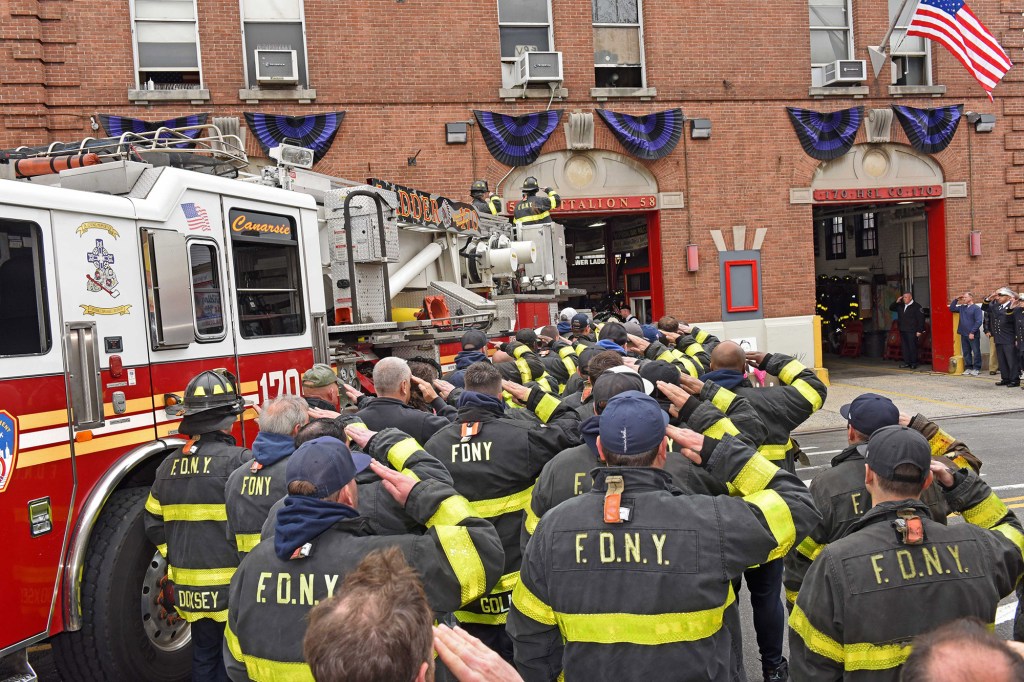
(992, 373)
(905, 365)
(1013, 384)
(778, 674)
(1002, 383)
(913, 367)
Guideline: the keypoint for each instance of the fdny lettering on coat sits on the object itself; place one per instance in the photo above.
(472, 452)
(256, 485)
(189, 466)
(913, 564)
(299, 589)
(644, 549)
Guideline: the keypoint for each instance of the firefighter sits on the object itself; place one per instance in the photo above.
(483, 201)
(321, 387)
(632, 580)
(494, 458)
(474, 349)
(253, 488)
(320, 536)
(186, 517)
(535, 209)
(393, 381)
(898, 573)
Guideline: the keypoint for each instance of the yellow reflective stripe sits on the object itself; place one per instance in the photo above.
(809, 548)
(245, 542)
(401, 451)
(195, 512)
(527, 603)
(791, 595)
(809, 394)
(755, 475)
(502, 505)
(162, 549)
(814, 639)
(773, 452)
(649, 630)
(411, 474)
(666, 356)
(525, 373)
(451, 512)
(723, 399)
(779, 518)
(692, 366)
(553, 196)
(531, 519)
(940, 442)
(698, 335)
(534, 218)
(986, 513)
(790, 371)
(263, 669)
(1011, 534)
(865, 656)
(234, 648)
(153, 506)
(506, 583)
(482, 618)
(566, 351)
(520, 351)
(694, 349)
(464, 559)
(546, 407)
(200, 577)
(193, 616)
(961, 461)
(720, 428)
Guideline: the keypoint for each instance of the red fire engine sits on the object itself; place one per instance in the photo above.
(153, 257)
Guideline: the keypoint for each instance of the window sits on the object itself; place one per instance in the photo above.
(275, 28)
(166, 44)
(524, 25)
(266, 259)
(816, 236)
(835, 239)
(23, 300)
(207, 298)
(867, 236)
(911, 56)
(831, 31)
(618, 44)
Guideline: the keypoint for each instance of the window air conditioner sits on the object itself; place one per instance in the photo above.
(276, 66)
(538, 67)
(845, 71)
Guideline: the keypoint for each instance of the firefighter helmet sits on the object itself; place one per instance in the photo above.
(478, 187)
(211, 390)
(530, 185)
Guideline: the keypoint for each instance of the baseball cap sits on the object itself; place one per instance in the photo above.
(580, 321)
(567, 314)
(650, 332)
(586, 355)
(474, 339)
(611, 384)
(632, 423)
(327, 463)
(527, 336)
(634, 328)
(648, 387)
(891, 446)
(659, 370)
(320, 375)
(869, 412)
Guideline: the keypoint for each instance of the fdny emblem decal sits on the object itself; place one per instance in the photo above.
(8, 447)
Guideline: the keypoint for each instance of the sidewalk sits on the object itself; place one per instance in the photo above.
(930, 393)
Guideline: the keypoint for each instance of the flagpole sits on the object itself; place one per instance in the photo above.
(877, 53)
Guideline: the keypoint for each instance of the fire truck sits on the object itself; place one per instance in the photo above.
(127, 266)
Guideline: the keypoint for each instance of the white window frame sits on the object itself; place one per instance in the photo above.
(640, 34)
(135, 42)
(897, 34)
(305, 39)
(513, 24)
(222, 289)
(848, 28)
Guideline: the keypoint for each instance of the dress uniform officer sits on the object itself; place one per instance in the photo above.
(320, 536)
(1001, 326)
(632, 580)
(483, 201)
(494, 457)
(534, 208)
(186, 517)
(898, 573)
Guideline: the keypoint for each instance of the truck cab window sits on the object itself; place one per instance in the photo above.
(207, 297)
(23, 309)
(265, 251)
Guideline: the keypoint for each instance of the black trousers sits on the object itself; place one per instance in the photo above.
(1009, 370)
(207, 651)
(765, 585)
(908, 343)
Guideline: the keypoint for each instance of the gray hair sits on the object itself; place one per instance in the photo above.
(282, 414)
(388, 375)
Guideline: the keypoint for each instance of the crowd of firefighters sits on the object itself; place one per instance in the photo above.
(585, 500)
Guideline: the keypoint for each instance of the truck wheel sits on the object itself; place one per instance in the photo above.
(125, 635)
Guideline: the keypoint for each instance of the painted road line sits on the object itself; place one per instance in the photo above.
(1012, 499)
(1006, 612)
(827, 452)
(1015, 506)
(1008, 487)
(915, 397)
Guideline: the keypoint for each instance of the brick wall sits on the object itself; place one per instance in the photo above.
(401, 69)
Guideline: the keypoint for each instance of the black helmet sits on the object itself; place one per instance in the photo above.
(478, 186)
(213, 389)
(530, 185)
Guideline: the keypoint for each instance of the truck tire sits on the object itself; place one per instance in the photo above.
(114, 643)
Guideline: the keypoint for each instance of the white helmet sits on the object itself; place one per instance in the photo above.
(566, 315)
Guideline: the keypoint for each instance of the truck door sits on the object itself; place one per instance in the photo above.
(36, 472)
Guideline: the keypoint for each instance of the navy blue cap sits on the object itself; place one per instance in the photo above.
(632, 423)
(580, 321)
(650, 332)
(870, 412)
(474, 339)
(893, 446)
(327, 463)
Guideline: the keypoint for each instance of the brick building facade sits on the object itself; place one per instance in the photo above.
(401, 69)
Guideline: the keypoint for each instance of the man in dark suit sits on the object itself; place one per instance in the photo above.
(910, 318)
(1002, 327)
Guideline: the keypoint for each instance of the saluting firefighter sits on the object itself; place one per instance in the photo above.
(186, 517)
(483, 201)
(534, 208)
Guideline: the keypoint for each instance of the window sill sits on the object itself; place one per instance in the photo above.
(255, 95)
(603, 94)
(857, 92)
(511, 94)
(916, 90)
(197, 96)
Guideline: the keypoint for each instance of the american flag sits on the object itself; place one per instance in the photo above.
(196, 216)
(952, 24)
